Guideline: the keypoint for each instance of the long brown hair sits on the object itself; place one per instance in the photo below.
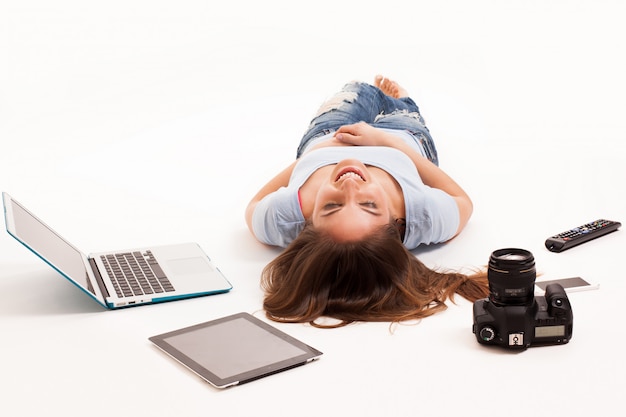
(376, 279)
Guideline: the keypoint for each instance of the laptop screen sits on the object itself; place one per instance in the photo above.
(46, 243)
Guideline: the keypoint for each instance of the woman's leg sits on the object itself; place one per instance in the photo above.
(385, 104)
(413, 123)
(405, 118)
(356, 102)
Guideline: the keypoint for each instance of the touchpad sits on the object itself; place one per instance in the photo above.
(190, 266)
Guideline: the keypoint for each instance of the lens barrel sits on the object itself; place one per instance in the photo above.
(511, 276)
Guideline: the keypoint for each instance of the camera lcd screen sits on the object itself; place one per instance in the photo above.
(550, 331)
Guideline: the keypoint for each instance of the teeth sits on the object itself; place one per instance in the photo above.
(350, 174)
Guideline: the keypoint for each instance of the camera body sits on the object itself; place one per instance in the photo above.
(512, 316)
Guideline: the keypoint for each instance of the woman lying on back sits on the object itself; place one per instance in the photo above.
(364, 190)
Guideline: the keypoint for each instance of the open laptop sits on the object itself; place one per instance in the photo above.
(121, 278)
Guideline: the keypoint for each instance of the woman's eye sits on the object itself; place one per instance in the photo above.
(369, 204)
(330, 206)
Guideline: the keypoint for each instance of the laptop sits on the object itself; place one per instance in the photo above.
(121, 278)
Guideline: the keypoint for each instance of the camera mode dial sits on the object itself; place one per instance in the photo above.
(487, 334)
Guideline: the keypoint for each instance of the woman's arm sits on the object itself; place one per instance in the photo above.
(280, 180)
(365, 135)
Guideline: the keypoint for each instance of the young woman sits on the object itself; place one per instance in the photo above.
(365, 188)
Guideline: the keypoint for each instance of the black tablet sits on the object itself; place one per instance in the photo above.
(235, 349)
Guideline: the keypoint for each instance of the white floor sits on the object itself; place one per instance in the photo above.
(166, 117)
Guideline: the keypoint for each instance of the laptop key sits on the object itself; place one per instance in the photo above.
(132, 275)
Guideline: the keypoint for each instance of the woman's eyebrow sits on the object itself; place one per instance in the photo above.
(365, 209)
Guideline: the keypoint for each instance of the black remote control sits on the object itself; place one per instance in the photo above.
(581, 234)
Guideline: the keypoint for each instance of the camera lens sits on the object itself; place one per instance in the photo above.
(511, 276)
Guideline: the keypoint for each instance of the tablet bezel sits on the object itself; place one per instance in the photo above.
(278, 366)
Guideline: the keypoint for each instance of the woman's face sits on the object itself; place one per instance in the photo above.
(351, 203)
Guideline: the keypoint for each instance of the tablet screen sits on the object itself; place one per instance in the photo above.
(235, 349)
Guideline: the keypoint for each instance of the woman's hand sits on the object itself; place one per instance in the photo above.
(359, 134)
(362, 134)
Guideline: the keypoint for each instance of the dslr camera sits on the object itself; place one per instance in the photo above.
(512, 316)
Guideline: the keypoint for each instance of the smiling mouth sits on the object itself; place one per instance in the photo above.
(349, 173)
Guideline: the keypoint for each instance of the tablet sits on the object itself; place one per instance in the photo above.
(235, 349)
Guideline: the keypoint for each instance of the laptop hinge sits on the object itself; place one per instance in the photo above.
(96, 273)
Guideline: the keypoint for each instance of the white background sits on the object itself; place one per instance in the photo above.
(130, 123)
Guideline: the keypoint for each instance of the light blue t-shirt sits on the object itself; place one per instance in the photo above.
(432, 216)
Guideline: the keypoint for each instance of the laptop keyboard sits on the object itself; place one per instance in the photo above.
(136, 273)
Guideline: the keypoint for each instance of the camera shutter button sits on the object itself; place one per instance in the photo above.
(487, 334)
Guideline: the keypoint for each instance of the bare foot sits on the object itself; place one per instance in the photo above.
(390, 87)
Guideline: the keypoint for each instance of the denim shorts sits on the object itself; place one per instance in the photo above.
(362, 102)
